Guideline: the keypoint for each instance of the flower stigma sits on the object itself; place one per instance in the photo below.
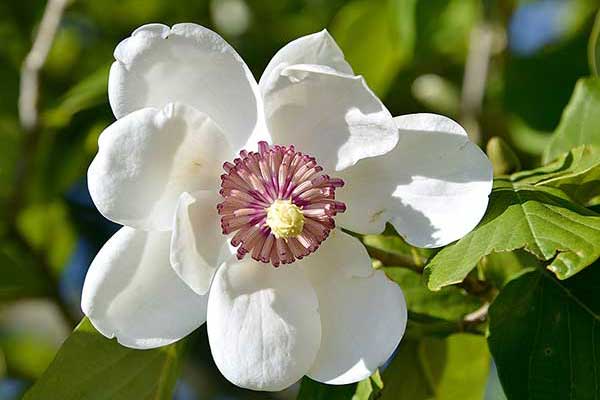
(278, 204)
(285, 219)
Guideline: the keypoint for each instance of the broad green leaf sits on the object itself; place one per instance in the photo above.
(525, 138)
(367, 389)
(450, 304)
(381, 30)
(544, 336)
(421, 325)
(467, 360)
(370, 388)
(431, 368)
(577, 173)
(390, 242)
(313, 390)
(500, 268)
(88, 365)
(539, 219)
(580, 122)
(594, 47)
(503, 158)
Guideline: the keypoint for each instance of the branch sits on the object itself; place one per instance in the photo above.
(395, 260)
(34, 61)
(29, 118)
(28, 100)
(475, 78)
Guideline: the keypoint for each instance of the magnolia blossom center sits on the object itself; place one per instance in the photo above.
(278, 204)
(285, 219)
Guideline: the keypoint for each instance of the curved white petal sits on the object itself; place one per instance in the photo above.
(330, 115)
(362, 318)
(263, 324)
(148, 158)
(433, 187)
(187, 63)
(197, 242)
(318, 48)
(347, 251)
(131, 292)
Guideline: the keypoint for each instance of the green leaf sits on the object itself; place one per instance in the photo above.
(369, 389)
(313, 390)
(390, 242)
(382, 30)
(86, 94)
(544, 336)
(594, 47)
(577, 173)
(432, 368)
(450, 303)
(88, 364)
(539, 219)
(503, 158)
(580, 122)
(500, 268)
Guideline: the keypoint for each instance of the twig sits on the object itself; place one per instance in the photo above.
(478, 315)
(29, 118)
(28, 99)
(35, 60)
(470, 284)
(395, 260)
(475, 78)
(478, 288)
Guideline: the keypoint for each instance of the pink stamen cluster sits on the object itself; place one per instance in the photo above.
(255, 180)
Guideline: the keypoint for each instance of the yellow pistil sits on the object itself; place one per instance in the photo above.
(285, 219)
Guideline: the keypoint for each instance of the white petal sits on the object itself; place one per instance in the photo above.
(362, 318)
(318, 48)
(263, 324)
(148, 158)
(197, 242)
(347, 251)
(189, 64)
(131, 292)
(433, 187)
(330, 115)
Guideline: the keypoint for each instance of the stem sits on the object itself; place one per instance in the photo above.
(475, 78)
(34, 61)
(395, 260)
(29, 119)
(416, 263)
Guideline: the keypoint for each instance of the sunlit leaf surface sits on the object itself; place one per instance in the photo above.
(89, 365)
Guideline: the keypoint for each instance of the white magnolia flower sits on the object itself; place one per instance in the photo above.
(186, 104)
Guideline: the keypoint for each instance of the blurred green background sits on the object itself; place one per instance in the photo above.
(501, 67)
